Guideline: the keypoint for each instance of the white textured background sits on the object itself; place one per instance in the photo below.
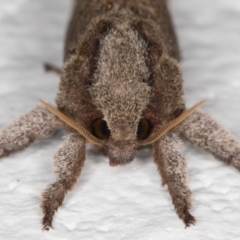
(128, 202)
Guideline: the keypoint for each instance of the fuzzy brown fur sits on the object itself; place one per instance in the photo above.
(69, 161)
(207, 134)
(121, 78)
(36, 123)
(172, 167)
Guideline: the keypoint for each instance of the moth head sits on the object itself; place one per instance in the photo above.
(122, 125)
(120, 148)
(120, 129)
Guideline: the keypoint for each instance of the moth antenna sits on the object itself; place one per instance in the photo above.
(160, 132)
(85, 133)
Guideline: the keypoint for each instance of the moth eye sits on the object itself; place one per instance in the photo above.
(144, 129)
(100, 129)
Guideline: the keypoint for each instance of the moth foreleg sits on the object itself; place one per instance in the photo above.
(69, 161)
(36, 123)
(204, 132)
(172, 168)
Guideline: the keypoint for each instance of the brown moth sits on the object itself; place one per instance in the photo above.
(121, 88)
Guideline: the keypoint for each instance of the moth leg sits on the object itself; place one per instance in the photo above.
(69, 161)
(48, 67)
(36, 123)
(172, 168)
(204, 132)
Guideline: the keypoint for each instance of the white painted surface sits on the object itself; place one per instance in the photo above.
(126, 203)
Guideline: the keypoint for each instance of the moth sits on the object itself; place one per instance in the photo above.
(121, 88)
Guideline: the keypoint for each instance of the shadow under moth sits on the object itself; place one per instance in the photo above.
(121, 88)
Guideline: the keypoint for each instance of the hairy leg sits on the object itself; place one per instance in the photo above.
(69, 161)
(204, 132)
(172, 168)
(36, 123)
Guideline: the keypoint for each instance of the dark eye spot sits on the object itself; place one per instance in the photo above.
(100, 129)
(144, 129)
